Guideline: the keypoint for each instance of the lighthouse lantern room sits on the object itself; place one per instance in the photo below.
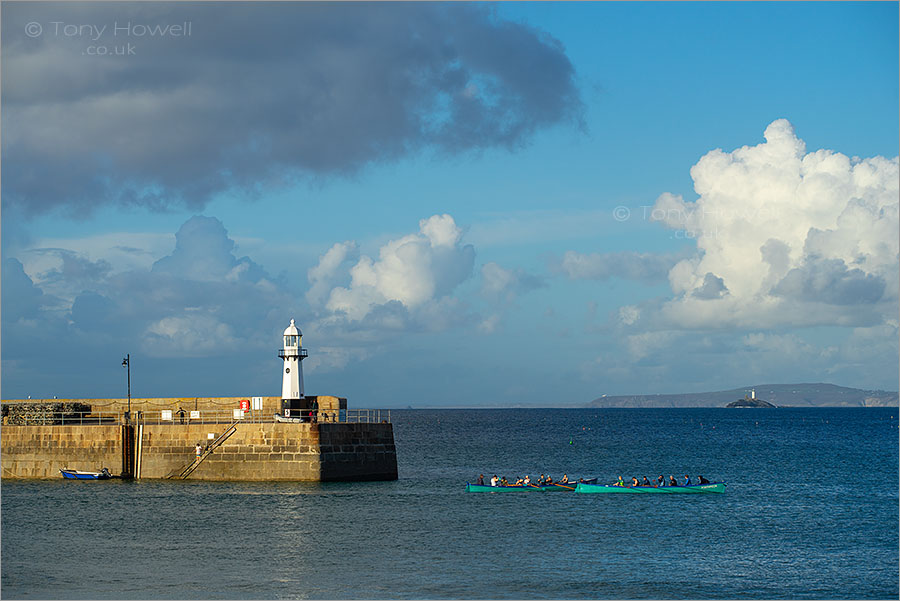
(293, 353)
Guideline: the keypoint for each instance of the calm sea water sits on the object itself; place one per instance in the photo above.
(811, 511)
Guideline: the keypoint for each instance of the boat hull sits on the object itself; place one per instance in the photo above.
(712, 487)
(290, 420)
(80, 475)
(489, 488)
(555, 487)
(568, 486)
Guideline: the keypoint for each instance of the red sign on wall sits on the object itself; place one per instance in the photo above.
(245, 404)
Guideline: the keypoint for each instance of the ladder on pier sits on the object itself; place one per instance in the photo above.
(188, 469)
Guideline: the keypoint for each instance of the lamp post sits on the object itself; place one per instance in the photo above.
(126, 363)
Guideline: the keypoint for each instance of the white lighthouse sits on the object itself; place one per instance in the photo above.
(293, 354)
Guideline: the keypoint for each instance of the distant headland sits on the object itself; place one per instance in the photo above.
(781, 395)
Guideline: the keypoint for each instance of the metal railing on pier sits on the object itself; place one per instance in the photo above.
(203, 416)
(368, 416)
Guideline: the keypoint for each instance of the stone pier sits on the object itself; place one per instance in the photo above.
(256, 451)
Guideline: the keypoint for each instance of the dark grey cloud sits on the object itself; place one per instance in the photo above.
(21, 298)
(92, 312)
(75, 271)
(777, 254)
(713, 287)
(389, 319)
(259, 94)
(631, 265)
(130, 250)
(830, 281)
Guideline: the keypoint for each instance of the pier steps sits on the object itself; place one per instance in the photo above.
(188, 469)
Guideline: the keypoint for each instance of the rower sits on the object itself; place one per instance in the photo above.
(645, 482)
(565, 479)
(634, 481)
(703, 480)
(687, 480)
(672, 480)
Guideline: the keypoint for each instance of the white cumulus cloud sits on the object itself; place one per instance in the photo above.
(414, 270)
(324, 276)
(785, 237)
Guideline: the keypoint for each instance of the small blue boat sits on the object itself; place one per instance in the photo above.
(103, 474)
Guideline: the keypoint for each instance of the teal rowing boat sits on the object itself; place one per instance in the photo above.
(712, 487)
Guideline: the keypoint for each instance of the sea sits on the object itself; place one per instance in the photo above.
(810, 512)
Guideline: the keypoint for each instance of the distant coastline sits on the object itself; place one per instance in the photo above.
(781, 395)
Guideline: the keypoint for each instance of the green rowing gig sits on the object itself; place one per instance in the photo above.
(712, 487)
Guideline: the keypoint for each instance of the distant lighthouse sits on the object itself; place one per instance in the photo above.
(293, 354)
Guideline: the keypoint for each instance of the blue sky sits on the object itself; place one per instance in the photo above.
(461, 205)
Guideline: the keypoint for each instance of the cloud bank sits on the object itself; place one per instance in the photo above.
(203, 302)
(260, 95)
(200, 300)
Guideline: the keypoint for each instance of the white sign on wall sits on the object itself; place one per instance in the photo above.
(195, 415)
(166, 415)
(257, 403)
(238, 414)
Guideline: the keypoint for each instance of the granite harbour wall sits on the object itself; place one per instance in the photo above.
(273, 451)
(255, 450)
(41, 451)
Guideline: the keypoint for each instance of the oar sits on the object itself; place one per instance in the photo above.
(534, 485)
(563, 486)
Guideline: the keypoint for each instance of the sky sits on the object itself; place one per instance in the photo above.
(461, 205)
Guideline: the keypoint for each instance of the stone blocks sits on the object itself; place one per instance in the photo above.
(256, 451)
